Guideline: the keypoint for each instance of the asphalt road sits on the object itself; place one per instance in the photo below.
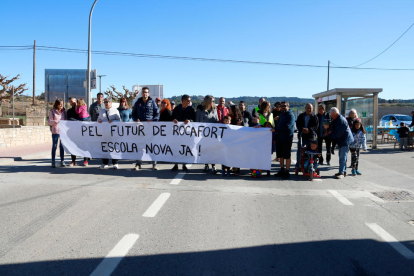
(85, 221)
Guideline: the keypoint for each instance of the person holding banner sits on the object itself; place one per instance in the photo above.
(109, 114)
(124, 111)
(145, 110)
(165, 113)
(183, 113)
(265, 114)
(56, 114)
(222, 110)
(207, 113)
(71, 115)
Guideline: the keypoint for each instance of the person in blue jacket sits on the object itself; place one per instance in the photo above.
(145, 110)
(284, 128)
(340, 131)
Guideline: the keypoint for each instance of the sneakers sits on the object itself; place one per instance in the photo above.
(71, 164)
(185, 168)
(115, 166)
(213, 170)
(206, 168)
(339, 175)
(333, 151)
(280, 173)
(62, 164)
(358, 172)
(328, 163)
(137, 167)
(286, 175)
(175, 168)
(85, 163)
(353, 173)
(154, 167)
(103, 166)
(53, 165)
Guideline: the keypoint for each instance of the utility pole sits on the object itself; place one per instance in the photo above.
(88, 86)
(13, 106)
(34, 71)
(329, 64)
(100, 83)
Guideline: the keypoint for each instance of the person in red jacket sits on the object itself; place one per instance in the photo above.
(222, 110)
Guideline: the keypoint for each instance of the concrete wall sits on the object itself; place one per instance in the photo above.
(26, 135)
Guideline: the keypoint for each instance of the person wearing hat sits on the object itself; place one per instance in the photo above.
(158, 102)
(412, 122)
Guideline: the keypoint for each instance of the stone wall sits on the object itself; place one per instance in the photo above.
(35, 115)
(26, 135)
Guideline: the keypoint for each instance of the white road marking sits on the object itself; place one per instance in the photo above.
(179, 176)
(317, 179)
(340, 197)
(407, 253)
(156, 205)
(111, 261)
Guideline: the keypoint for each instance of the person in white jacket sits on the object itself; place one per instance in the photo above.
(109, 114)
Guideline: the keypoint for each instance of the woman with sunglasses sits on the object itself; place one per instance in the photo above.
(124, 111)
(165, 113)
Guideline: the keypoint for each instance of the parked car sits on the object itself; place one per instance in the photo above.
(395, 119)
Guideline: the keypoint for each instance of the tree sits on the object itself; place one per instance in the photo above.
(128, 95)
(7, 91)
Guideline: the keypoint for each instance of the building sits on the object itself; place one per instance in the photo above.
(156, 91)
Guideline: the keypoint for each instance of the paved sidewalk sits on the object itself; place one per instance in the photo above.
(20, 152)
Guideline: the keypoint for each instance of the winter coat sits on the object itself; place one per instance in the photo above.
(82, 112)
(341, 131)
(71, 114)
(403, 132)
(125, 114)
(221, 113)
(165, 116)
(207, 116)
(112, 113)
(94, 110)
(55, 116)
(327, 117)
(359, 140)
(182, 115)
(312, 126)
(285, 126)
(247, 118)
(145, 111)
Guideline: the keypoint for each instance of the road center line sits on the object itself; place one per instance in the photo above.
(404, 251)
(179, 177)
(156, 205)
(340, 197)
(111, 261)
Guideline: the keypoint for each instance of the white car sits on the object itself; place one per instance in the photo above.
(396, 120)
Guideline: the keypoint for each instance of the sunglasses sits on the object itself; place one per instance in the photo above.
(163, 103)
(105, 102)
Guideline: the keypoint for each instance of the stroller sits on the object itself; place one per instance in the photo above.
(310, 171)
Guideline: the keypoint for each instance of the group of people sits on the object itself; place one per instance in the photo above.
(347, 133)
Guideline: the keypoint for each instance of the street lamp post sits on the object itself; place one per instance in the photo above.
(100, 84)
(88, 89)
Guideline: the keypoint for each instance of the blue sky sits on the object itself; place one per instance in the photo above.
(304, 32)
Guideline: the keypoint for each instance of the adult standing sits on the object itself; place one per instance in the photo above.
(265, 114)
(284, 129)
(222, 110)
(183, 113)
(276, 111)
(145, 110)
(173, 105)
(73, 116)
(124, 111)
(324, 116)
(352, 116)
(247, 117)
(307, 125)
(56, 114)
(208, 114)
(109, 114)
(96, 107)
(340, 131)
(166, 112)
(158, 102)
(236, 116)
(257, 108)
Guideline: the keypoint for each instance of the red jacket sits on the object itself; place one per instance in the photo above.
(222, 112)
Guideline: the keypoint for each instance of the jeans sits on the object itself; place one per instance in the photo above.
(403, 143)
(55, 139)
(343, 153)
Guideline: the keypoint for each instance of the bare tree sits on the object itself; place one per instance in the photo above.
(128, 95)
(7, 91)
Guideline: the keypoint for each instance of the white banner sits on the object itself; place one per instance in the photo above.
(233, 146)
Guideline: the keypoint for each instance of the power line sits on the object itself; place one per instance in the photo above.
(81, 51)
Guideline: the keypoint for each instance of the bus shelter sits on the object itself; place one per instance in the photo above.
(364, 100)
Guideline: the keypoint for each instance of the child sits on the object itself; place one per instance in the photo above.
(358, 132)
(256, 122)
(307, 156)
(226, 120)
(403, 131)
(81, 110)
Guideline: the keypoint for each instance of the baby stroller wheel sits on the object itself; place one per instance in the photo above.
(311, 175)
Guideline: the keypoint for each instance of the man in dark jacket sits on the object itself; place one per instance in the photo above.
(247, 117)
(307, 125)
(340, 131)
(145, 110)
(183, 113)
(322, 135)
(284, 128)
